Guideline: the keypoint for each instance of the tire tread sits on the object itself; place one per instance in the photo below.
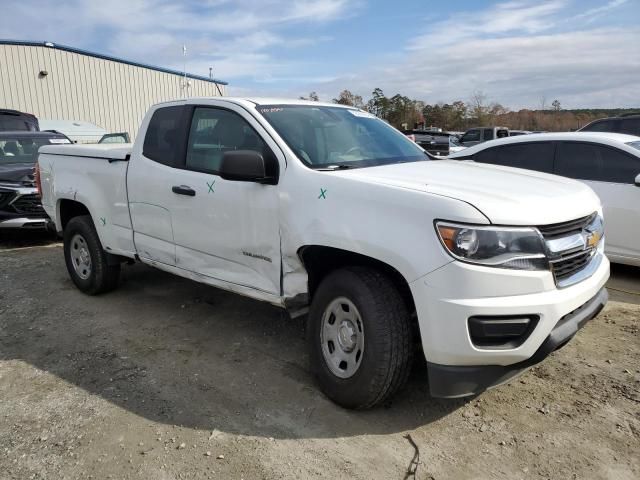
(104, 277)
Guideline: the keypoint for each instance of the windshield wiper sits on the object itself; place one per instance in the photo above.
(338, 166)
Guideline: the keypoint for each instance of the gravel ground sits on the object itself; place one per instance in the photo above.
(168, 379)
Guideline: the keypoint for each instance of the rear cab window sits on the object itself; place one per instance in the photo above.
(164, 139)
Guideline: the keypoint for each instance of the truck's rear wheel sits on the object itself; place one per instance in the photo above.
(86, 261)
(360, 337)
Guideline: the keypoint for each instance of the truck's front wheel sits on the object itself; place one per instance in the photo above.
(86, 261)
(360, 337)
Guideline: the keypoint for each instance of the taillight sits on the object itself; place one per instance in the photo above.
(36, 176)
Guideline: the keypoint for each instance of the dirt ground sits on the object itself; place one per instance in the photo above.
(168, 379)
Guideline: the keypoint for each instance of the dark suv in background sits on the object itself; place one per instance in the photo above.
(13, 120)
(628, 123)
(20, 205)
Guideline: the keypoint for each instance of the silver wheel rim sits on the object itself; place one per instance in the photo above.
(342, 337)
(80, 257)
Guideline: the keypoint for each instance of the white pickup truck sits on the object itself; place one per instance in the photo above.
(324, 208)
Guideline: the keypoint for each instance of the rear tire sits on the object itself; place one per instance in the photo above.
(379, 328)
(87, 262)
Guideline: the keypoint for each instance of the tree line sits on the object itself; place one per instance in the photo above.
(405, 113)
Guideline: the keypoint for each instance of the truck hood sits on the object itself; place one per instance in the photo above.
(506, 196)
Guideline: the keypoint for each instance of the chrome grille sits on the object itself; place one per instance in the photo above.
(568, 265)
(564, 229)
(576, 256)
(28, 204)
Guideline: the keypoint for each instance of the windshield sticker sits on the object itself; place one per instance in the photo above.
(59, 140)
(361, 114)
(271, 110)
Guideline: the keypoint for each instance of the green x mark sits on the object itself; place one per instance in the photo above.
(210, 185)
(103, 220)
(323, 192)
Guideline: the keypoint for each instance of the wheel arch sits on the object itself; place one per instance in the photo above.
(68, 209)
(320, 260)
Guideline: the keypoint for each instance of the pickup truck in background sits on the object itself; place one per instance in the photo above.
(474, 136)
(325, 210)
(436, 143)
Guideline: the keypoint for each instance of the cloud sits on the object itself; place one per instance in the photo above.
(516, 53)
(239, 39)
(594, 13)
(503, 18)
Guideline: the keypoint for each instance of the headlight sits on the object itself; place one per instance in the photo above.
(517, 248)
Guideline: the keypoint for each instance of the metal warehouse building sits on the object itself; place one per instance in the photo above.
(57, 82)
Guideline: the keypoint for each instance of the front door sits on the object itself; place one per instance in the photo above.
(226, 230)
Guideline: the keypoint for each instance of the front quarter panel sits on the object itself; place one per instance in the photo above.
(391, 224)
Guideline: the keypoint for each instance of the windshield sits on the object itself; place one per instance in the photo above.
(326, 137)
(23, 149)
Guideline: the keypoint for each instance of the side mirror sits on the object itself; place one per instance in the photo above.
(244, 166)
(637, 182)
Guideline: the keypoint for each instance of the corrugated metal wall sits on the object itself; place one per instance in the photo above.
(110, 94)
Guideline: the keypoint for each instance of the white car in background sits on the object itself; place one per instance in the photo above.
(608, 162)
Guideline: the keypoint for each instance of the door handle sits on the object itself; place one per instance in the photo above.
(183, 190)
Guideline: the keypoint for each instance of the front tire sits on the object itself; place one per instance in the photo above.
(360, 338)
(86, 260)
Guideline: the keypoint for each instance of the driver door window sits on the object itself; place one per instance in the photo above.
(215, 131)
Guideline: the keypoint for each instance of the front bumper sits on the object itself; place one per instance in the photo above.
(21, 208)
(446, 298)
(27, 223)
(450, 381)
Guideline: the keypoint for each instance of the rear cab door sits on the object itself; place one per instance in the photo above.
(150, 178)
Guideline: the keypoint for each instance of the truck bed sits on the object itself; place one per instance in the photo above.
(96, 177)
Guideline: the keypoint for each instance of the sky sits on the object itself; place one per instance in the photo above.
(520, 53)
